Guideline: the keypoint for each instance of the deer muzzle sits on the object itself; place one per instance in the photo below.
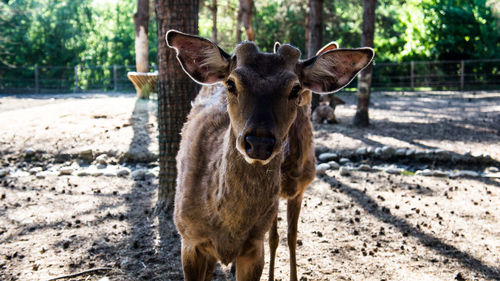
(260, 148)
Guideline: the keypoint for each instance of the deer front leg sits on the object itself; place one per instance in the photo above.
(250, 264)
(293, 211)
(194, 263)
(211, 262)
(273, 245)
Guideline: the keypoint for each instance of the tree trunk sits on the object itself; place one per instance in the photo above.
(141, 19)
(361, 119)
(175, 91)
(238, 27)
(214, 20)
(315, 27)
(308, 35)
(315, 38)
(245, 15)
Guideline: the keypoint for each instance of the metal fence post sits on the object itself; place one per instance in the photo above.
(115, 82)
(76, 79)
(37, 85)
(412, 76)
(462, 74)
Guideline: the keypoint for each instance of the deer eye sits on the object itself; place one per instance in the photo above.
(294, 93)
(231, 87)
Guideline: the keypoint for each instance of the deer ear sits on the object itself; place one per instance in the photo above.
(201, 59)
(333, 70)
(276, 46)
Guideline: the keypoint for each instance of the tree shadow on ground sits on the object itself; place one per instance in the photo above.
(414, 133)
(143, 258)
(417, 118)
(429, 241)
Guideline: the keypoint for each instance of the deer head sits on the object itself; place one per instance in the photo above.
(264, 90)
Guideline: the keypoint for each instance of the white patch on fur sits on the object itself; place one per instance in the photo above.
(328, 46)
(215, 93)
(212, 58)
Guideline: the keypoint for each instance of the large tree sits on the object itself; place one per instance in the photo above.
(175, 91)
(361, 118)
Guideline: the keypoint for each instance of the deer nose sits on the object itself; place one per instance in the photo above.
(259, 147)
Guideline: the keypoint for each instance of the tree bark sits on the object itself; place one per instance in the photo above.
(307, 33)
(315, 27)
(213, 9)
(314, 41)
(175, 91)
(238, 26)
(245, 15)
(361, 119)
(141, 19)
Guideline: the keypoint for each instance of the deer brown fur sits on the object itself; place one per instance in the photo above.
(245, 144)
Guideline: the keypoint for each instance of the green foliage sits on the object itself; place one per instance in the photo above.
(45, 32)
(101, 32)
(461, 29)
(227, 11)
(14, 18)
(342, 20)
(280, 21)
(70, 32)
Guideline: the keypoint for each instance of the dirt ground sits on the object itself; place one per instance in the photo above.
(365, 226)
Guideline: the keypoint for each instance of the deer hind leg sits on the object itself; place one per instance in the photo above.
(194, 263)
(293, 212)
(273, 245)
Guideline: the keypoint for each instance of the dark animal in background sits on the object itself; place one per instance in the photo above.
(325, 111)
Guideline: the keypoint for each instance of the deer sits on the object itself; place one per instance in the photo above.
(325, 111)
(247, 142)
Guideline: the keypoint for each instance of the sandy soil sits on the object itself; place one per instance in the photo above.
(366, 226)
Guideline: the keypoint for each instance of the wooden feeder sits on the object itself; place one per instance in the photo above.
(145, 83)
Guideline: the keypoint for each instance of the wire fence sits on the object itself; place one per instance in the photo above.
(438, 75)
(405, 76)
(64, 79)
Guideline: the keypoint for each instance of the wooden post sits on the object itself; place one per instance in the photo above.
(462, 74)
(412, 75)
(76, 79)
(115, 82)
(37, 85)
